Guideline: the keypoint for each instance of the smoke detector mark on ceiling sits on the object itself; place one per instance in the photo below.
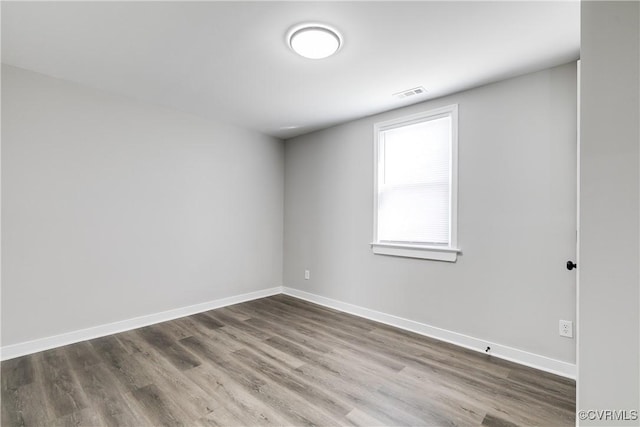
(410, 92)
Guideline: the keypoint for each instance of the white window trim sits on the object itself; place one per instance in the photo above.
(439, 253)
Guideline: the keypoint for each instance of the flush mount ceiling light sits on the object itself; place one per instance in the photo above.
(314, 41)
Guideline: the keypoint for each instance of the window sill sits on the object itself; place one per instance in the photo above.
(414, 251)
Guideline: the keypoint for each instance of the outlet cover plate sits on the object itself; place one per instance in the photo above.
(566, 328)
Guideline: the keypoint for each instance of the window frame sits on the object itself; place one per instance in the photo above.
(433, 252)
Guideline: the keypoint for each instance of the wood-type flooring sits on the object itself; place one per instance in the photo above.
(276, 361)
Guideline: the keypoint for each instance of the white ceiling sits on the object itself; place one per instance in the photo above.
(229, 60)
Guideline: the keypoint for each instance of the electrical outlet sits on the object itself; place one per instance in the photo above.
(307, 275)
(566, 328)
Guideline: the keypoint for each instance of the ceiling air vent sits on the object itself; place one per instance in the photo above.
(410, 92)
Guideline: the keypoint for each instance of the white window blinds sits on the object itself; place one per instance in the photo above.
(414, 182)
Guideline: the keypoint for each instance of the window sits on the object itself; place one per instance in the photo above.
(415, 196)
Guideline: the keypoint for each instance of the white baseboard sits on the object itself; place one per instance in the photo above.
(501, 351)
(41, 344)
(522, 357)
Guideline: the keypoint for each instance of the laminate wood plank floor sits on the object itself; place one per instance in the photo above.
(276, 361)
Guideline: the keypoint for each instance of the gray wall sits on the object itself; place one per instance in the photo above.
(609, 357)
(517, 213)
(113, 209)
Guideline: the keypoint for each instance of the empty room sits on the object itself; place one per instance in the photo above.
(383, 213)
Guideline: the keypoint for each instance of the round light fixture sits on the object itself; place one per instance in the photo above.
(314, 41)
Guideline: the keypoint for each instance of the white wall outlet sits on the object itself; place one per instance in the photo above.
(307, 275)
(566, 328)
